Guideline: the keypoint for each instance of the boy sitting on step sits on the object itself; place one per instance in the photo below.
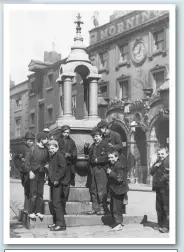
(118, 188)
(59, 178)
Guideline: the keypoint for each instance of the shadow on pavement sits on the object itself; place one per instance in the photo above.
(147, 223)
(13, 226)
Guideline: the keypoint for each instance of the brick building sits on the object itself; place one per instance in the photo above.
(18, 110)
(132, 54)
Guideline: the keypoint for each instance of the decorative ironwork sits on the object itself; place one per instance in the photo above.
(116, 103)
(78, 22)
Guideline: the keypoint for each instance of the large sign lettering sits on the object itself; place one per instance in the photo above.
(128, 23)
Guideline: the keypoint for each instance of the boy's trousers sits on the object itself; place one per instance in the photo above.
(162, 206)
(36, 193)
(56, 196)
(98, 189)
(117, 207)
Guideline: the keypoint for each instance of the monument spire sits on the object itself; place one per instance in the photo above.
(78, 50)
(78, 28)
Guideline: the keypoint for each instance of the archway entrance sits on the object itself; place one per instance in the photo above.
(140, 154)
(117, 127)
(162, 131)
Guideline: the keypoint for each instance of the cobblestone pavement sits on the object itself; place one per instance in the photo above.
(129, 231)
(139, 203)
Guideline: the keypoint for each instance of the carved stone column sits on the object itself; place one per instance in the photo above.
(93, 96)
(60, 93)
(67, 95)
(86, 100)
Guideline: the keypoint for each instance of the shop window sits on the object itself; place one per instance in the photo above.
(18, 127)
(124, 53)
(103, 61)
(158, 75)
(158, 39)
(18, 104)
(123, 88)
(74, 105)
(51, 79)
(32, 118)
(103, 88)
(32, 88)
(50, 114)
(157, 42)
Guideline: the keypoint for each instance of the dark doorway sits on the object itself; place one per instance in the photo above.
(41, 117)
(141, 155)
(118, 128)
(162, 132)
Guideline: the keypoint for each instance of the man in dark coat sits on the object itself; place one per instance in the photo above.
(59, 178)
(119, 187)
(35, 162)
(115, 144)
(68, 147)
(98, 160)
(160, 173)
(19, 161)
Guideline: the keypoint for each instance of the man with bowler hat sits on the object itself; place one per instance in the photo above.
(115, 144)
(97, 177)
(68, 147)
(19, 161)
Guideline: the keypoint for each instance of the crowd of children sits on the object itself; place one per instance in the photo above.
(106, 180)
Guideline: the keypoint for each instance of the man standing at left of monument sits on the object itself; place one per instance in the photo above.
(19, 161)
(68, 147)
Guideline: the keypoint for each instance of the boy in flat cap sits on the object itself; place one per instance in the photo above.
(119, 187)
(19, 161)
(98, 159)
(160, 173)
(59, 177)
(115, 144)
(35, 162)
(68, 147)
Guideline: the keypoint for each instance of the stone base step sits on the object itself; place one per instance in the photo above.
(71, 207)
(77, 220)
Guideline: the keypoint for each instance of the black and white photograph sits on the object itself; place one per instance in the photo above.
(89, 118)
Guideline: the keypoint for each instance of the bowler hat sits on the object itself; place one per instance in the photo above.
(95, 131)
(65, 127)
(29, 135)
(102, 123)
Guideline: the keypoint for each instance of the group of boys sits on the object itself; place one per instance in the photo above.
(107, 175)
(54, 158)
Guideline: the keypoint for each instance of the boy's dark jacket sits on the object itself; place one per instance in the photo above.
(98, 152)
(58, 169)
(160, 175)
(117, 179)
(68, 146)
(36, 159)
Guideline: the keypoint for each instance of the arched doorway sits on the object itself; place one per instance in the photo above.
(140, 154)
(162, 131)
(118, 127)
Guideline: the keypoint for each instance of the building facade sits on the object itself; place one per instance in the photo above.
(18, 110)
(132, 54)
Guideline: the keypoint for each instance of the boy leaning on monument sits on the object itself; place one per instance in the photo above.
(59, 178)
(118, 189)
(160, 173)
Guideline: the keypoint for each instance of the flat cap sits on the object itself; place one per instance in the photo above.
(29, 135)
(95, 131)
(102, 123)
(47, 130)
(65, 127)
(41, 135)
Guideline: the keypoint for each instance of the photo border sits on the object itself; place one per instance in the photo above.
(172, 109)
